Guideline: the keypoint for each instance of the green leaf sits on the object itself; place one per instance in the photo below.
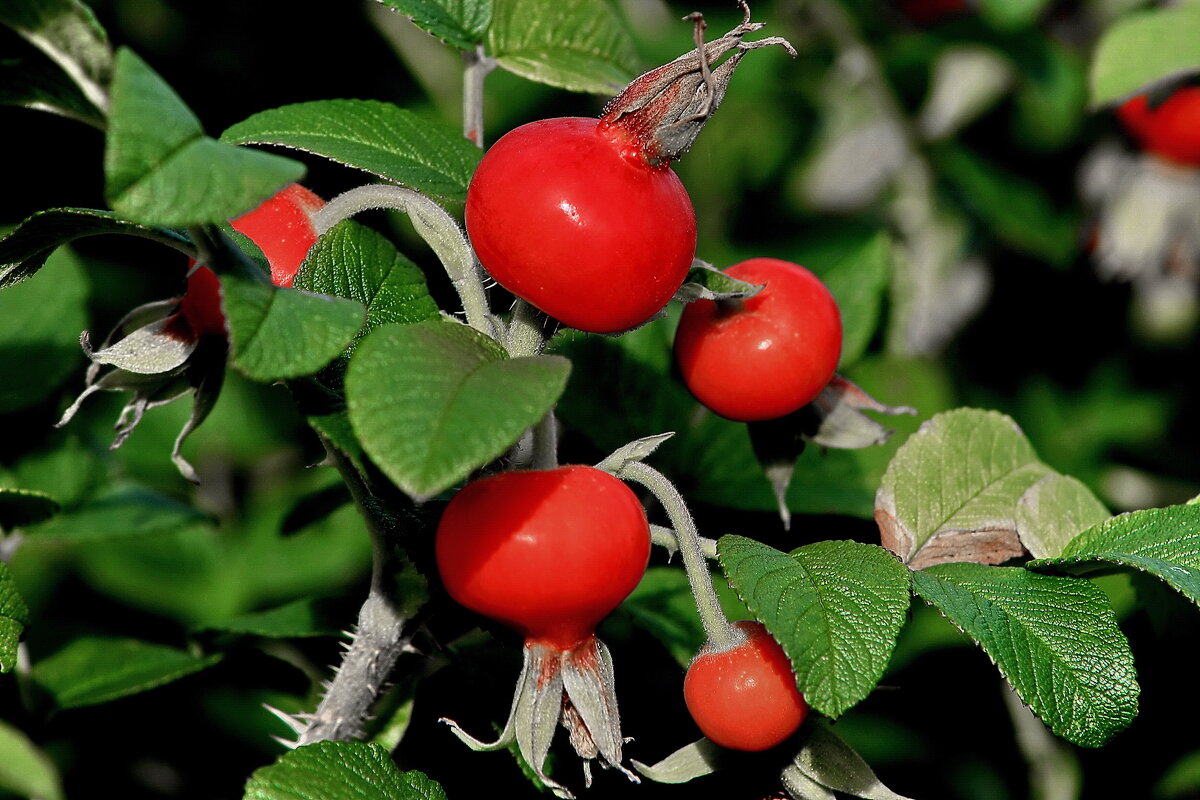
(390, 142)
(24, 251)
(1164, 542)
(828, 761)
(93, 670)
(283, 333)
(1050, 102)
(663, 606)
(339, 771)
(1053, 511)
(67, 32)
(1055, 639)
(433, 401)
(858, 282)
(355, 262)
(835, 607)
(160, 168)
(579, 45)
(24, 769)
(950, 493)
(459, 23)
(1017, 210)
(29, 79)
(14, 616)
(1145, 49)
(19, 507)
(1007, 15)
(300, 618)
(40, 321)
(119, 512)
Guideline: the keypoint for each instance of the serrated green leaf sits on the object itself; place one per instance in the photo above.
(339, 771)
(160, 168)
(950, 493)
(24, 251)
(24, 769)
(579, 45)
(355, 262)
(1053, 511)
(40, 321)
(1144, 49)
(20, 507)
(119, 512)
(1164, 542)
(67, 32)
(1055, 639)
(14, 616)
(858, 282)
(298, 619)
(387, 141)
(93, 670)
(836, 607)
(459, 23)
(283, 333)
(433, 401)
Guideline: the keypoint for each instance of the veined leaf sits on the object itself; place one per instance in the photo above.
(94, 670)
(1164, 542)
(339, 771)
(284, 333)
(433, 401)
(14, 616)
(387, 141)
(835, 607)
(160, 168)
(579, 45)
(950, 493)
(1055, 639)
(1053, 511)
(1145, 49)
(459, 23)
(355, 262)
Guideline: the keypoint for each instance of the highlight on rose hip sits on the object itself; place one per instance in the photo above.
(599, 398)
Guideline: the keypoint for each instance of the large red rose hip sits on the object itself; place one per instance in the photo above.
(282, 228)
(567, 214)
(765, 356)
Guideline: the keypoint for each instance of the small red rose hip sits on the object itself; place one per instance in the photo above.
(201, 303)
(282, 228)
(765, 356)
(1170, 129)
(548, 552)
(568, 215)
(745, 698)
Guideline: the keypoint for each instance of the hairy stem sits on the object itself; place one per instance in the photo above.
(379, 637)
(525, 334)
(477, 67)
(433, 225)
(720, 633)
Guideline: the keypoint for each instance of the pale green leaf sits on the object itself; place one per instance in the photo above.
(829, 762)
(355, 262)
(1164, 542)
(433, 401)
(1145, 49)
(24, 769)
(950, 493)
(460, 23)
(93, 670)
(858, 282)
(579, 45)
(284, 333)
(387, 141)
(1053, 511)
(160, 168)
(836, 607)
(1055, 639)
(339, 771)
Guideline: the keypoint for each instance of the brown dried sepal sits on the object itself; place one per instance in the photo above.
(663, 110)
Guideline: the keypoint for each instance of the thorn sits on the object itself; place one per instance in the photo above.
(292, 722)
(288, 744)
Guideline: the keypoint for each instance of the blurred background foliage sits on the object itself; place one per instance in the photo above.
(961, 139)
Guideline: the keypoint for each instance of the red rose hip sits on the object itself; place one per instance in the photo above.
(764, 356)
